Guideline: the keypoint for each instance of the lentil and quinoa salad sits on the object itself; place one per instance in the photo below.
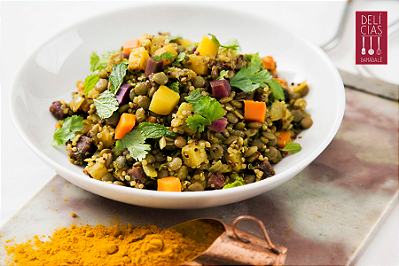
(163, 113)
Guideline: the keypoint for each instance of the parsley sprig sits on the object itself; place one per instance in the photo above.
(70, 126)
(135, 140)
(253, 76)
(206, 110)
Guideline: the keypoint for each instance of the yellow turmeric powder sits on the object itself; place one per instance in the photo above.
(113, 245)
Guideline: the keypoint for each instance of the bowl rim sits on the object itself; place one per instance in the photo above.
(285, 175)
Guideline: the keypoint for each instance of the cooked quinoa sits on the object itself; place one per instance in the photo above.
(200, 112)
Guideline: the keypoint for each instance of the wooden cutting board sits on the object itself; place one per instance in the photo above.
(324, 216)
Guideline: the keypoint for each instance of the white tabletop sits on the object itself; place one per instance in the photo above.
(27, 25)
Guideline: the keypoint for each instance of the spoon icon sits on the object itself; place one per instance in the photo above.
(363, 49)
(371, 51)
(379, 50)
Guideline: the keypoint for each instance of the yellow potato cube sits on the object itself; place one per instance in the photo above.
(157, 43)
(207, 47)
(97, 170)
(199, 64)
(186, 43)
(164, 101)
(138, 59)
(166, 48)
(194, 154)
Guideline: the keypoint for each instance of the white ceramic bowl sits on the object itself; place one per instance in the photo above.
(51, 72)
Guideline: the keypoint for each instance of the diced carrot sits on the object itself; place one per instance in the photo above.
(128, 45)
(80, 84)
(254, 111)
(125, 125)
(169, 183)
(282, 138)
(268, 63)
(57, 125)
(281, 81)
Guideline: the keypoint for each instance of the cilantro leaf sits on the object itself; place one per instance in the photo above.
(68, 130)
(89, 83)
(197, 121)
(117, 75)
(276, 89)
(209, 107)
(292, 147)
(206, 108)
(238, 182)
(106, 104)
(166, 55)
(154, 130)
(174, 87)
(134, 141)
(256, 61)
(251, 77)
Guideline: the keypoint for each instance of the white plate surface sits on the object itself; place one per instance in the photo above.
(51, 72)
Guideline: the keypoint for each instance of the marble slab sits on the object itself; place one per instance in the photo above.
(325, 215)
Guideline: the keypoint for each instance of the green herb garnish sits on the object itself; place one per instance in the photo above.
(179, 58)
(166, 55)
(154, 130)
(173, 38)
(94, 62)
(90, 81)
(238, 182)
(292, 147)
(206, 108)
(251, 77)
(175, 87)
(117, 75)
(134, 141)
(222, 74)
(99, 63)
(68, 130)
(106, 104)
(234, 46)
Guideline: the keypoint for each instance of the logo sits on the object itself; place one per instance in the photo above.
(371, 38)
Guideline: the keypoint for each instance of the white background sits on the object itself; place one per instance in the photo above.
(27, 25)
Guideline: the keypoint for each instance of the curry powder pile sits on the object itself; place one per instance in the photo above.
(112, 245)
